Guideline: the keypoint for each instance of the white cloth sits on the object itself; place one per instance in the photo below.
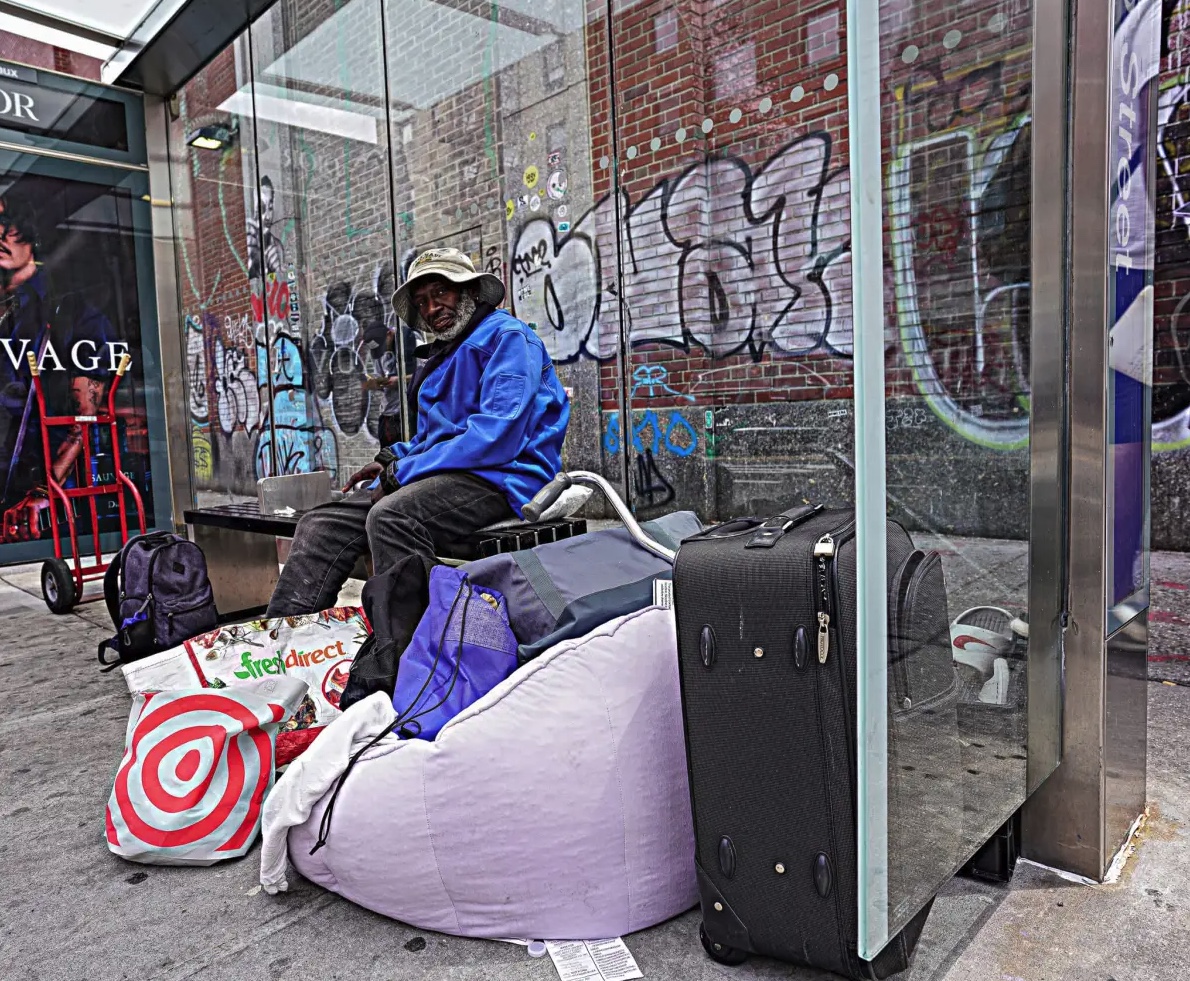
(311, 775)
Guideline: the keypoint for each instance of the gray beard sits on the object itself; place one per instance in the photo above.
(463, 314)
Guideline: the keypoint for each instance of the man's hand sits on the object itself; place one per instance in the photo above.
(367, 475)
(21, 522)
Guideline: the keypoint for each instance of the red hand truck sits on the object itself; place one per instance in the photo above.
(61, 585)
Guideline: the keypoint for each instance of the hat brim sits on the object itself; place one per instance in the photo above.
(491, 289)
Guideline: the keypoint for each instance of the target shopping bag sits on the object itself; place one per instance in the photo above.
(197, 765)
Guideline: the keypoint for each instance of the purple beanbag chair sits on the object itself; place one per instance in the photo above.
(555, 807)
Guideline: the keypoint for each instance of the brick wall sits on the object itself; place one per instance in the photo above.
(722, 304)
(712, 227)
(38, 54)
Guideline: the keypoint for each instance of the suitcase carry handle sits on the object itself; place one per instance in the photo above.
(769, 533)
(555, 488)
(729, 529)
(765, 533)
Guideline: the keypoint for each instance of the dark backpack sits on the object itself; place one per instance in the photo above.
(158, 595)
(394, 604)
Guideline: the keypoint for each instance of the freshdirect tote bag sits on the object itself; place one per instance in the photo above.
(197, 766)
(316, 648)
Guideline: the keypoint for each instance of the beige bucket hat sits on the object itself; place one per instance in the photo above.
(450, 264)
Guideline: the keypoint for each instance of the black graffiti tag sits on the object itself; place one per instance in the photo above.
(651, 484)
(723, 256)
(946, 101)
(533, 260)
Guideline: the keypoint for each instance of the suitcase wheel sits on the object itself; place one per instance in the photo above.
(720, 953)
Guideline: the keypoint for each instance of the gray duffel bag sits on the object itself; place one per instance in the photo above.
(566, 589)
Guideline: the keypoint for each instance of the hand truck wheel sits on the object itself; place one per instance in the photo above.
(721, 953)
(57, 586)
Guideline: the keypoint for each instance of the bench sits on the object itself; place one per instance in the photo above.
(241, 543)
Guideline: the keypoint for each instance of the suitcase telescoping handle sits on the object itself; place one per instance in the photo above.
(550, 493)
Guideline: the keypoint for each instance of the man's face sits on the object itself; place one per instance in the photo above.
(15, 252)
(436, 300)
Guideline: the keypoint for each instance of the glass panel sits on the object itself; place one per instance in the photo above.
(1136, 63)
(76, 290)
(490, 115)
(280, 161)
(44, 110)
(955, 93)
(212, 144)
(322, 262)
(737, 274)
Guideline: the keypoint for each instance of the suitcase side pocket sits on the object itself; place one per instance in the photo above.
(919, 648)
(899, 640)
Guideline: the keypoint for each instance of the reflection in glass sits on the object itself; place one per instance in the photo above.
(666, 197)
(957, 432)
(212, 191)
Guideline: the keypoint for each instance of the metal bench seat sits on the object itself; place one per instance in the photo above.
(241, 542)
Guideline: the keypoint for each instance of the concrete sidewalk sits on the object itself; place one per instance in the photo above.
(69, 909)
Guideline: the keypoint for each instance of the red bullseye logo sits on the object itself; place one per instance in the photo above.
(194, 775)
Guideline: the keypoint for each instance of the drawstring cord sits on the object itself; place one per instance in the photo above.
(324, 826)
(454, 675)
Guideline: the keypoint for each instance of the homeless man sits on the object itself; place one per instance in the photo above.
(488, 415)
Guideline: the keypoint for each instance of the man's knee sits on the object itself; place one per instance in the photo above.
(385, 515)
(310, 527)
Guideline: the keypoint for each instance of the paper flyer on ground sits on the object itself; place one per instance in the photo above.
(593, 960)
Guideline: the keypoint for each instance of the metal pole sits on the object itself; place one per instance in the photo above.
(622, 346)
(867, 273)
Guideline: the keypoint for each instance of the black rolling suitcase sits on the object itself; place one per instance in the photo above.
(766, 618)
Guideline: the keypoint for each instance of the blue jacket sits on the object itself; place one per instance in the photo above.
(495, 408)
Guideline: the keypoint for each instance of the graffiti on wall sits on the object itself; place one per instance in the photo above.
(653, 439)
(266, 254)
(356, 342)
(246, 375)
(958, 197)
(963, 136)
(719, 257)
(1171, 393)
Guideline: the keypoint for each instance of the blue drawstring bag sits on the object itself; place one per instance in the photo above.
(462, 648)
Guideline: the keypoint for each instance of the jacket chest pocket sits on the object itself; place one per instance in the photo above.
(503, 396)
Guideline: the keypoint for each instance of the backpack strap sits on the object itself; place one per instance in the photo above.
(109, 645)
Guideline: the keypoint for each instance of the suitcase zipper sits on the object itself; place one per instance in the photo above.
(844, 534)
(825, 574)
(825, 550)
(830, 803)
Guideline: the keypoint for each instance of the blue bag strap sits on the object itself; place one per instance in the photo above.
(540, 581)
